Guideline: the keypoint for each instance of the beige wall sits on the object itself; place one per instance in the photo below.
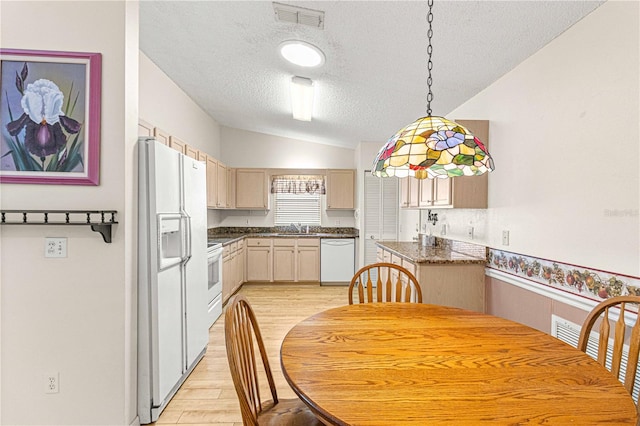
(241, 148)
(74, 315)
(165, 105)
(565, 139)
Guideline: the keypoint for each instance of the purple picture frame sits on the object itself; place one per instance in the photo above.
(50, 117)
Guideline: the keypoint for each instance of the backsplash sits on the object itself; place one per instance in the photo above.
(243, 230)
(591, 283)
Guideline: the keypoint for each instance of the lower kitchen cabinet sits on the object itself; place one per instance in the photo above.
(308, 260)
(259, 259)
(284, 259)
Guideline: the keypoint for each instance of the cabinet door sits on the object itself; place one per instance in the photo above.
(442, 191)
(259, 263)
(340, 189)
(212, 182)
(231, 188)
(284, 263)
(425, 196)
(241, 263)
(308, 263)
(222, 186)
(227, 282)
(161, 136)
(191, 152)
(251, 189)
(202, 156)
(145, 129)
(409, 191)
(177, 144)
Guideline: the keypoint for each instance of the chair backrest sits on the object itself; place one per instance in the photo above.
(242, 334)
(601, 311)
(393, 283)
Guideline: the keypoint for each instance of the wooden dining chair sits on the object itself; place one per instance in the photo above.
(601, 311)
(393, 283)
(242, 336)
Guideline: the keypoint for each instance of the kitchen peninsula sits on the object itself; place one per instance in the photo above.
(450, 273)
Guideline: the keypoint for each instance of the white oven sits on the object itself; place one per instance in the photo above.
(214, 282)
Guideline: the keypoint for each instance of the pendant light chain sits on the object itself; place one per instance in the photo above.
(429, 63)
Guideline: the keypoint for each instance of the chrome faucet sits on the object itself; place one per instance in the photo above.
(298, 227)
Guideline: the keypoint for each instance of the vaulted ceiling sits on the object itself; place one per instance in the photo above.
(224, 55)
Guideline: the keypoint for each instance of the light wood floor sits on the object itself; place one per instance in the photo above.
(208, 396)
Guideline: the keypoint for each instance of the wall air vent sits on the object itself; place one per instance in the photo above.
(299, 15)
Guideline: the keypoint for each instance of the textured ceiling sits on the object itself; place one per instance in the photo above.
(224, 56)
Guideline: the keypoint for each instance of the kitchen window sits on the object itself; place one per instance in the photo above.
(297, 199)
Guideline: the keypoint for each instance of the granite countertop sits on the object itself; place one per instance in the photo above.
(445, 251)
(231, 234)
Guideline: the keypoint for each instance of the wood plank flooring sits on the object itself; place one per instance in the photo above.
(208, 397)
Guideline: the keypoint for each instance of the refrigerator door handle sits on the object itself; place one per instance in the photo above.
(187, 238)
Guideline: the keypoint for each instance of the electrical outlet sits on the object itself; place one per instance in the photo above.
(55, 247)
(505, 238)
(470, 232)
(337, 222)
(51, 382)
(444, 229)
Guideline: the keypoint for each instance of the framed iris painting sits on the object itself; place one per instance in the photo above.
(50, 117)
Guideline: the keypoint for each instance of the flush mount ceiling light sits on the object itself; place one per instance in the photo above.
(301, 53)
(301, 98)
(431, 146)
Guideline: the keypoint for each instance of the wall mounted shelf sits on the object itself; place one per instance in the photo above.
(99, 220)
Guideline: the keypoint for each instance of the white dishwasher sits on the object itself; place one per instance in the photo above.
(337, 260)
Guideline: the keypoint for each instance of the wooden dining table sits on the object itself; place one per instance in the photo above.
(410, 363)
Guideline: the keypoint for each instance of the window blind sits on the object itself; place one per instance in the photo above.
(304, 209)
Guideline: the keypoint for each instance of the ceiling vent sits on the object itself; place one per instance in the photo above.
(299, 15)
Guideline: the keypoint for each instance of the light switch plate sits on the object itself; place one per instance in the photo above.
(505, 238)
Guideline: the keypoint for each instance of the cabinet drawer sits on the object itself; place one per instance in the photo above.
(258, 242)
(308, 242)
(284, 242)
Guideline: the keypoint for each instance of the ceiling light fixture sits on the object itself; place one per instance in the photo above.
(301, 98)
(432, 146)
(301, 53)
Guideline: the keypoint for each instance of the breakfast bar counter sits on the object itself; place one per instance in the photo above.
(450, 273)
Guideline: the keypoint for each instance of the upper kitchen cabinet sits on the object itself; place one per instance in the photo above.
(145, 129)
(191, 152)
(252, 190)
(177, 144)
(221, 191)
(340, 189)
(464, 192)
(212, 182)
(161, 136)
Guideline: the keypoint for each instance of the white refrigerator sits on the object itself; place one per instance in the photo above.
(172, 273)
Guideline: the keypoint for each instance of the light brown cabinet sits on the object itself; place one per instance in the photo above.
(177, 144)
(233, 259)
(212, 182)
(191, 152)
(284, 259)
(251, 189)
(221, 190)
(409, 192)
(259, 259)
(145, 129)
(450, 284)
(340, 189)
(308, 260)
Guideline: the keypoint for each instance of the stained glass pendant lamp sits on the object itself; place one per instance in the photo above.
(432, 146)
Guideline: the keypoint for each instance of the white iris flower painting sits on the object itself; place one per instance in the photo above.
(50, 117)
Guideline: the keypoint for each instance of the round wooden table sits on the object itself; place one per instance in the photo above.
(409, 363)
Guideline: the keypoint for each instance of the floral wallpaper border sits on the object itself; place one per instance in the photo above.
(591, 283)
